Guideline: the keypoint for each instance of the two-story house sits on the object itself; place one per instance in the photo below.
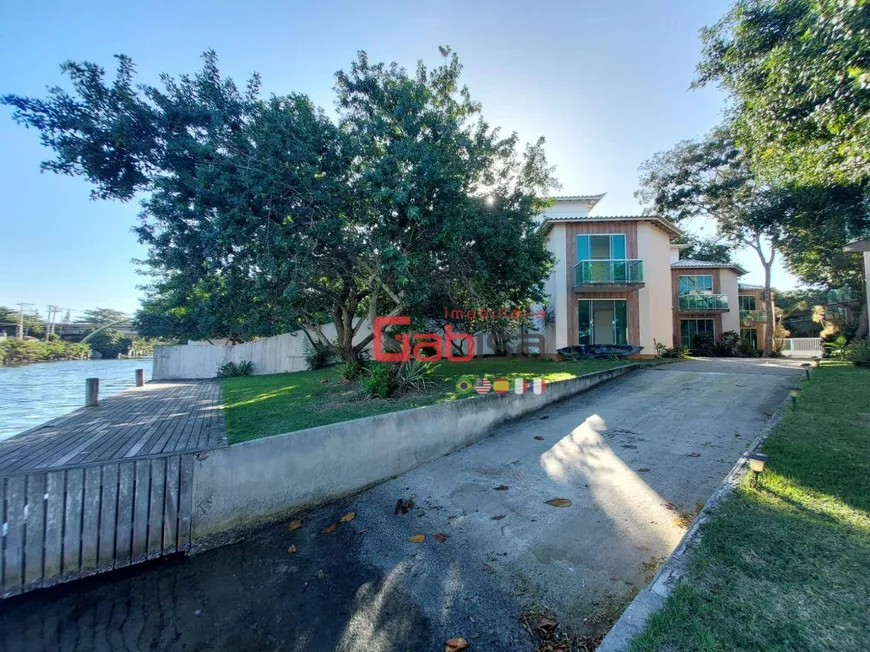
(619, 280)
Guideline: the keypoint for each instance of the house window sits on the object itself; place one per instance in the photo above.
(747, 301)
(696, 284)
(601, 247)
(692, 327)
(602, 321)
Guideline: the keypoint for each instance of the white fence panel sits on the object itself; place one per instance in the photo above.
(802, 347)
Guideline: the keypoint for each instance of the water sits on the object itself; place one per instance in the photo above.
(35, 393)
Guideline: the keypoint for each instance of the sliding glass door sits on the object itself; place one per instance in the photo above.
(602, 321)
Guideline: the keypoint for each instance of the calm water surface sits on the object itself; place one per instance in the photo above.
(34, 393)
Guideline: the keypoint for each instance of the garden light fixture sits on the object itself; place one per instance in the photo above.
(757, 462)
(817, 362)
(794, 392)
(806, 366)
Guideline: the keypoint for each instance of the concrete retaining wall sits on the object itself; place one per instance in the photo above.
(260, 480)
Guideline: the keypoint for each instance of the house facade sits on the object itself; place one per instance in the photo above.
(619, 280)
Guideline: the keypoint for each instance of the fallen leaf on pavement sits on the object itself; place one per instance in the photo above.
(403, 505)
(502, 487)
(320, 575)
(694, 455)
(629, 446)
(417, 538)
(440, 538)
(559, 502)
(538, 437)
(294, 525)
(670, 506)
(546, 417)
(642, 469)
(546, 628)
(329, 529)
(455, 645)
(348, 517)
(291, 549)
(499, 517)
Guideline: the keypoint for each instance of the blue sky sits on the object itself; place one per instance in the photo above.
(606, 83)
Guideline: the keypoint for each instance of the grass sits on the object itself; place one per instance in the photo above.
(261, 406)
(787, 566)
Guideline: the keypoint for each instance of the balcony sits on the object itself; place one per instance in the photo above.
(703, 302)
(603, 275)
(750, 316)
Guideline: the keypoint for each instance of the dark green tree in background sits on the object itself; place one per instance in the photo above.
(262, 215)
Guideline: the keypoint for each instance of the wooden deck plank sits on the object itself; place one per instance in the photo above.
(170, 506)
(157, 503)
(34, 531)
(55, 490)
(126, 496)
(72, 535)
(91, 517)
(108, 515)
(13, 553)
(141, 507)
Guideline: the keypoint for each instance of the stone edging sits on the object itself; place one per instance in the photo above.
(652, 598)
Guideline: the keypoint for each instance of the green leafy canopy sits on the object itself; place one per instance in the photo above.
(262, 214)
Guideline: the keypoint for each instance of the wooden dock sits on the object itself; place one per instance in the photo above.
(104, 487)
(158, 418)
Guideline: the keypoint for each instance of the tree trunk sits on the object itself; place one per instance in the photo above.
(768, 307)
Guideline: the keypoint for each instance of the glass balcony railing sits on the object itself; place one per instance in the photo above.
(747, 316)
(608, 272)
(703, 302)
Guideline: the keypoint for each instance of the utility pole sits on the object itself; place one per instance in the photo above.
(49, 324)
(21, 319)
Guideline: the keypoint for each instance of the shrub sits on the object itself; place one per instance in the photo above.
(231, 369)
(728, 345)
(858, 353)
(413, 375)
(317, 355)
(837, 349)
(15, 351)
(672, 352)
(747, 349)
(351, 370)
(379, 381)
(703, 344)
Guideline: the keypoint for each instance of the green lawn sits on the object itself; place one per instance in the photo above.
(261, 406)
(787, 566)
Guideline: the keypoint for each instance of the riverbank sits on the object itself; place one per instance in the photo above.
(15, 352)
(35, 393)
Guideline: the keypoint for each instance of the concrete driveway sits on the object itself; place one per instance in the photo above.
(631, 456)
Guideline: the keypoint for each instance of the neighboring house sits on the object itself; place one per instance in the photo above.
(753, 316)
(618, 280)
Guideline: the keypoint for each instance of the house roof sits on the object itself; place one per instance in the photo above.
(661, 222)
(747, 286)
(691, 262)
(592, 199)
(858, 245)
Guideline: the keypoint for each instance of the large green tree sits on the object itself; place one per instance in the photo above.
(798, 74)
(262, 214)
(711, 179)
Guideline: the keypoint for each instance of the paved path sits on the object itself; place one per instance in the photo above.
(621, 453)
(157, 418)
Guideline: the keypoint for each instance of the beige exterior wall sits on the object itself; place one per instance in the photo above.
(576, 208)
(557, 286)
(654, 299)
(730, 319)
